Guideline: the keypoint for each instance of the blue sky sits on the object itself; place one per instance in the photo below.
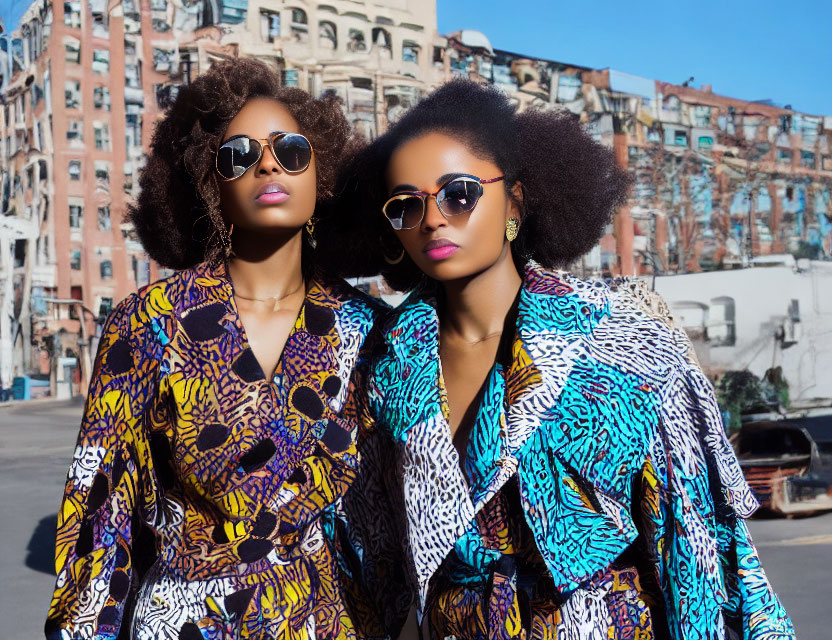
(745, 49)
(749, 50)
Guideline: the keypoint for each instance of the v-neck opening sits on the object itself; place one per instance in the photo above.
(242, 328)
(502, 359)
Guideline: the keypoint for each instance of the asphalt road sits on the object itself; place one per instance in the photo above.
(36, 444)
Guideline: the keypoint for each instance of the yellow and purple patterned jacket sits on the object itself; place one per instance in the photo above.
(204, 500)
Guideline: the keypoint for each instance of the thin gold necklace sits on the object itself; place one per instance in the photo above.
(277, 299)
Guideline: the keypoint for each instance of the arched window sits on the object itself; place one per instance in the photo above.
(357, 41)
(382, 40)
(299, 17)
(327, 35)
(299, 25)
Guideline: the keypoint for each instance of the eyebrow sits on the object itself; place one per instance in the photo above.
(439, 181)
(403, 187)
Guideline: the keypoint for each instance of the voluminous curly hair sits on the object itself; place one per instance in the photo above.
(571, 185)
(177, 215)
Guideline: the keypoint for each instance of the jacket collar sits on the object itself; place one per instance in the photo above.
(556, 315)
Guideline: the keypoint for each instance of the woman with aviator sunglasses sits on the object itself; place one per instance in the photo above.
(563, 467)
(204, 498)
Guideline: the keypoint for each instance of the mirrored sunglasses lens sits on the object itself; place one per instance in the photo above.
(459, 196)
(404, 213)
(293, 152)
(236, 156)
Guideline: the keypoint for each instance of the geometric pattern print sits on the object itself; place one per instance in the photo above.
(186, 443)
(604, 415)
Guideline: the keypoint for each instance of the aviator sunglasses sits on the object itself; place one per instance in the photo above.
(238, 154)
(459, 195)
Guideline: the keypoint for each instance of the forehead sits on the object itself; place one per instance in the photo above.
(420, 161)
(261, 116)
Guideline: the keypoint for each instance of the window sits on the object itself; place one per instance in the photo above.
(299, 27)
(102, 173)
(269, 25)
(74, 131)
(165, 94)
(676, 137)
(701, 116)
(410, 51)
(163, 59)
(72, 51)
(76, 215)
(568, 88)
(328, 36)
(721, 324)
(133, 76)
(74, 169)
(106, 268)
(807, 159)
(784, 156)
(75, 260)
(72, 13)
(133, 129)
(102, 136)
(101, 98)
(356, 41)
(299, 16)
(104, 222)
(290, 78)
(101, 61)
(104, 308)
(381, 39)
(72, 94)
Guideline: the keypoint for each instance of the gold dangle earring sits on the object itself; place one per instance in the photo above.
(512, 229)
(225, 236)
(310, 229)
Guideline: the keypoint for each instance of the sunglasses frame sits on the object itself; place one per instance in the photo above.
(424, 195)
(268, 142)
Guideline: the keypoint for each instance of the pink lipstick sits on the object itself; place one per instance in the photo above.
(272, 193)
(440, 249)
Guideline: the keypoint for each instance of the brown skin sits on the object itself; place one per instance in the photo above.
(480, 279)
(267, 238)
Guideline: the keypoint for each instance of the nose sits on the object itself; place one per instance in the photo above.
(267, 164)
(433, 218)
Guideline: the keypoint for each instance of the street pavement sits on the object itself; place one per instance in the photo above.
(36, 444)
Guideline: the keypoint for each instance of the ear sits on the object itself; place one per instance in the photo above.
(516, 202)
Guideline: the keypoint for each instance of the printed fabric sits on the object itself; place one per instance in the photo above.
(609, 433)
(204, 500)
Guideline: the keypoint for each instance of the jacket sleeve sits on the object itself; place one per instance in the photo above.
(110, 483)
(708, 568)
(377, 580)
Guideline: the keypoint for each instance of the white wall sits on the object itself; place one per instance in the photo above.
(762, 296)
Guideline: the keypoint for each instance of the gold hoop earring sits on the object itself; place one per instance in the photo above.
(310, 230)
(512, 229)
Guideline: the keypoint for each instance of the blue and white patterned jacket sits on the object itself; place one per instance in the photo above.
(604, 407)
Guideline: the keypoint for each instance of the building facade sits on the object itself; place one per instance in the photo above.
(718, 181)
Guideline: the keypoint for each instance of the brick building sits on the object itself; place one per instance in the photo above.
(718, 181)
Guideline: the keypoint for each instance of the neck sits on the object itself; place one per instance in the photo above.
(266, 266)
(476, 307)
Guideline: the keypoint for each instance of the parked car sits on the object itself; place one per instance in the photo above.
(788, 462)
